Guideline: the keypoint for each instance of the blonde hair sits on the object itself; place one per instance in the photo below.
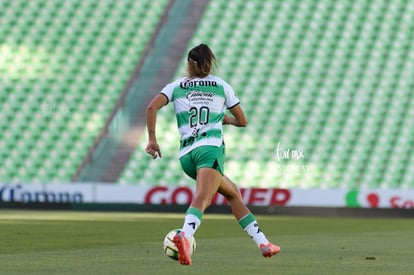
(200, 61)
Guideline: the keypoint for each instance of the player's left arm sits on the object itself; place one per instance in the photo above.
(238, 119)
(151, 116)
(233, 105)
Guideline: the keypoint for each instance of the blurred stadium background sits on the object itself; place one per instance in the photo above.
(331, 79)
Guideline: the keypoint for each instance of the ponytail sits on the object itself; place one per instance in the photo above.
(200, 61)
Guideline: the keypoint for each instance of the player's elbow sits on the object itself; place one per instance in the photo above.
(151, 109)
(243, 122)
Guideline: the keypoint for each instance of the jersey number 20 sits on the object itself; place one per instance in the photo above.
(198, 116)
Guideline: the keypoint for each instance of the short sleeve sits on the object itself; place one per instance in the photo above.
(167, 91)
(231, 98)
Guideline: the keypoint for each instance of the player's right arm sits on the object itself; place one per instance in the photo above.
(151, 115)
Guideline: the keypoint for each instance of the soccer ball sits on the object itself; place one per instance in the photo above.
(169, 246)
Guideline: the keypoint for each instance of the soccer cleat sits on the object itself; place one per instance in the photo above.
(183, 248)
(268, 250)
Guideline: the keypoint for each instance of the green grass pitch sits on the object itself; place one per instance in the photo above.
(58, 242)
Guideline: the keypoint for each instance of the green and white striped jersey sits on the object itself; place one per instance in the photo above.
(199, 105)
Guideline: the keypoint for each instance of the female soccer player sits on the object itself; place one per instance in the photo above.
(200, 100)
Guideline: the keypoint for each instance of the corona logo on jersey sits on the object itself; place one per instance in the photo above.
(378, 199)
(193, 83)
